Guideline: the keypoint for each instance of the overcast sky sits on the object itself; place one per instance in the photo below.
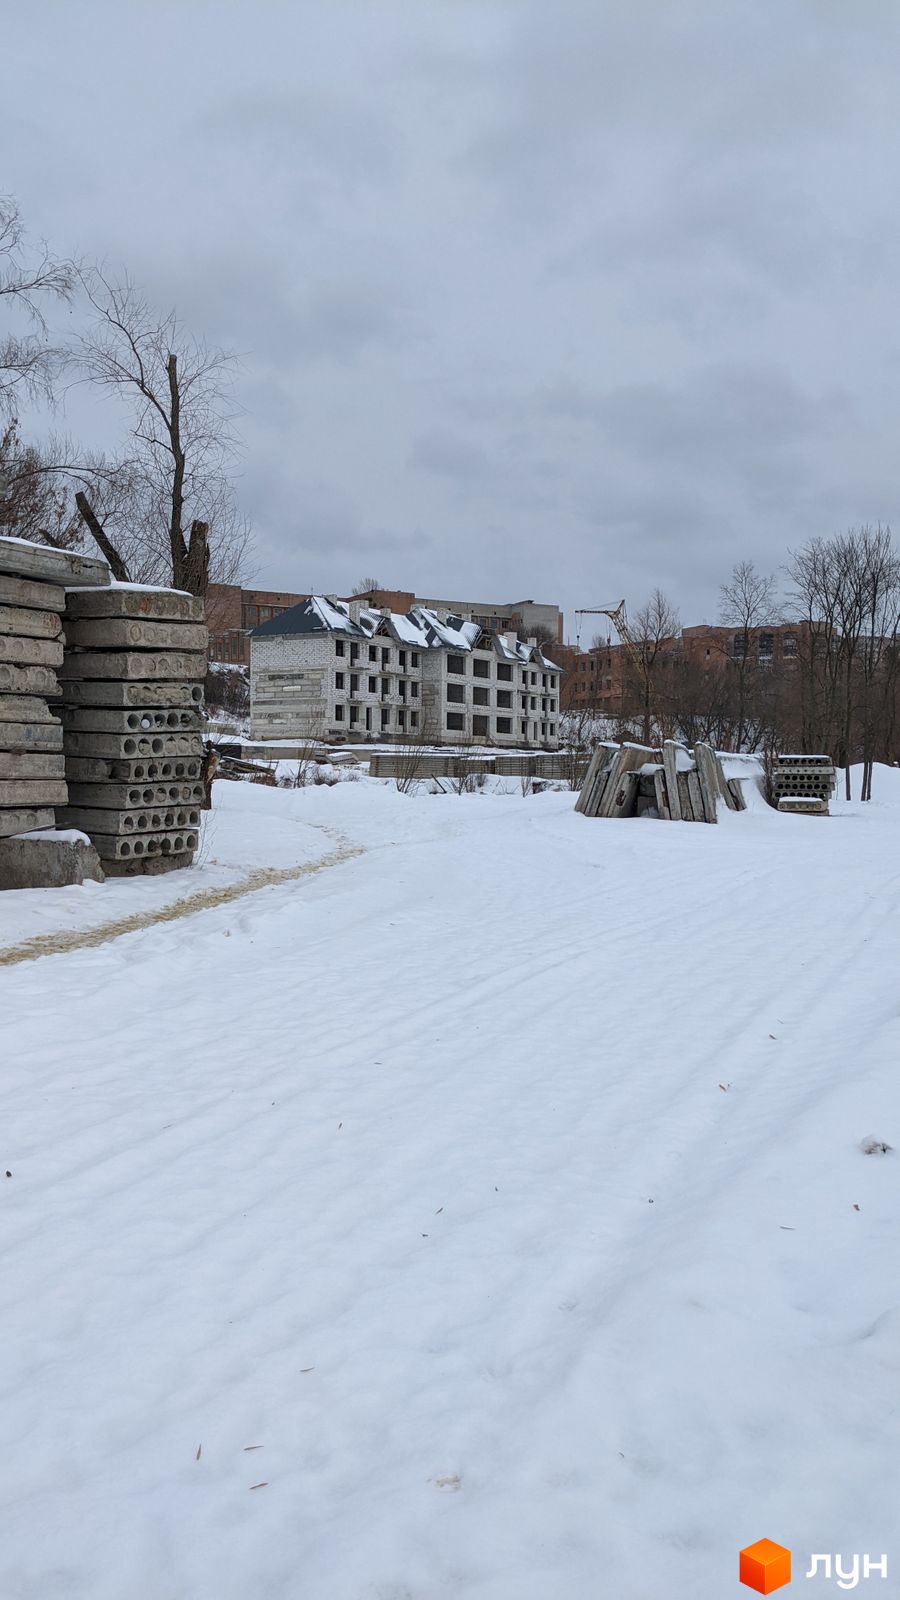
(558, 299)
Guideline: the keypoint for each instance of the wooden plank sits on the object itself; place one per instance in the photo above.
(627, 759)
(670, 766)
(737, 793)
(696, 797)
(684, 798)
(590, 778)
(623, 800)
(708, 781)
(661, 792)
(724, 789)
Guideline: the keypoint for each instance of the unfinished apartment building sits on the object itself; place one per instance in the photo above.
(338, 670)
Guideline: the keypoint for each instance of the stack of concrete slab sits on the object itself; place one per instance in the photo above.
(803, 783)
(32, 600)
(132, 716)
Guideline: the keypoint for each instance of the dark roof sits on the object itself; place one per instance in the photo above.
(305, 618)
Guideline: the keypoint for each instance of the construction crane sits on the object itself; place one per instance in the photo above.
(616, 615)
(619, 618)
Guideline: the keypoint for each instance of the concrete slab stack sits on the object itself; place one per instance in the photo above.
(132, 716)
(32, 601)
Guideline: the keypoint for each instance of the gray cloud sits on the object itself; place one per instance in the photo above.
(567, 300)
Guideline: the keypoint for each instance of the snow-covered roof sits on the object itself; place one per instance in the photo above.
(422, 628)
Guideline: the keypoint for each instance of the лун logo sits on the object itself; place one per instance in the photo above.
(765, 1566)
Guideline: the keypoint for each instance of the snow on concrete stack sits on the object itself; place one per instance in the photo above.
(132, 715)
(32, 600)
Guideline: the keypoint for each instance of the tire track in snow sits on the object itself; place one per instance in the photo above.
(51, 944)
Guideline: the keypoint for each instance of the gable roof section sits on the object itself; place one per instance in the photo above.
(422, 629)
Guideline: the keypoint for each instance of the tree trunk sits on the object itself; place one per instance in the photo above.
(95, 528)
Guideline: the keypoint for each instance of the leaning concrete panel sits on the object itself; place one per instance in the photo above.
(111, 846)
(31, 736)
(126, 796)
(31, 652)
(87, 769)
(133, 633)
(24, 764)
(31, 624)
(98, 719)
(28, 680)
(165, 605)
(37, 596)
(39, 792)
(136, 820)
(110, 693)
(130, 745)
(127, 665)
(25, 820)
(21, 559)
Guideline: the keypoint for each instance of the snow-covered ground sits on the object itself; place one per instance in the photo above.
(480, 1218)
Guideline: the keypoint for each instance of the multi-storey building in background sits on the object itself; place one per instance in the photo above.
(232, 612)
(602, 678)
(335, 669)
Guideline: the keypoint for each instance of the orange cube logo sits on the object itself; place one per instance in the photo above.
(765, 1566)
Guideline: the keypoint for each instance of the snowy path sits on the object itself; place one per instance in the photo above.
(418, 1175)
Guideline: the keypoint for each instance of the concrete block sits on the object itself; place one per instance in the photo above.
(31, 652)
(30, 624)
(134, 633)
(50, 862)
(129, 745)
(24, 708)
(93, 769)
(149, 866)
(112, 693)
(38, 596)
(130, 600)
(98, 719)
(804, 805)
(22, 559)
(126, 665)
(23, 819)
(28, 680)
(33, 792)
(112, 847)
(31, 736)
(139, 819)
(23, 764)
(125, 796)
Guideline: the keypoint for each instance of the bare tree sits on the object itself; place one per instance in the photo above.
(746, 602)
(365, 586)
(174, 519)
(651, 643)
(35, 501)
(847, 593)
(28, 279)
